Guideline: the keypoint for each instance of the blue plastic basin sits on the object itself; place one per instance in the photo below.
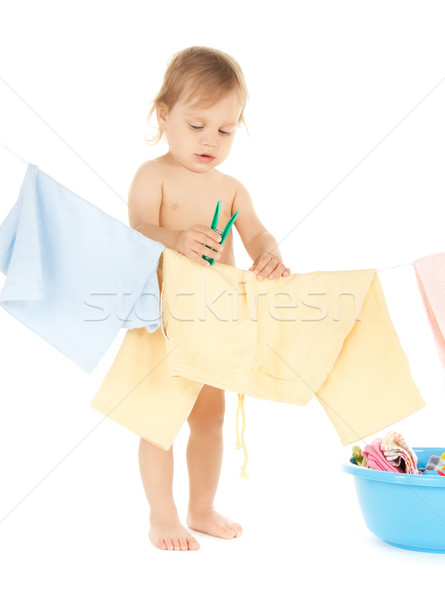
(404, 510)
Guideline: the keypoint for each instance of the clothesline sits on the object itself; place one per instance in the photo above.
(16, 155)
(395, 267)
(378, 270)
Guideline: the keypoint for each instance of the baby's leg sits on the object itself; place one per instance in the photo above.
(166, 531)
(204, 459)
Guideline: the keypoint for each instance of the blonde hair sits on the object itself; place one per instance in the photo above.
(203, 73)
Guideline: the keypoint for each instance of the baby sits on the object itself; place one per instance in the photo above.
(172, 200)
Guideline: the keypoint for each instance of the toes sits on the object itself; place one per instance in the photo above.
(187, 542)
(232, 526)
(236, 527)
(229, 530)
(193, 544)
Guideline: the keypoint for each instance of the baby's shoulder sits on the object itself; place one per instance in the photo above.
(151, 167)
(148, 178)
(228, 181)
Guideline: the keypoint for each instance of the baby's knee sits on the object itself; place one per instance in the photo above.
(206, 423)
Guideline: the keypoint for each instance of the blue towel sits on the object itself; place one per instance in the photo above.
(74, 274)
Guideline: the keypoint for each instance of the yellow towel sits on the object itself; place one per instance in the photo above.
(138, 392)
(325, 333)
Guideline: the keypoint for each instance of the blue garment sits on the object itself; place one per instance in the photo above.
(74, 274)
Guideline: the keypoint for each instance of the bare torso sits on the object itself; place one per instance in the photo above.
(189, 198)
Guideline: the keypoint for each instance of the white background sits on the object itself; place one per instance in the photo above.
(346, 107)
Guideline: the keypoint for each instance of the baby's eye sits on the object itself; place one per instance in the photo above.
(200, 127)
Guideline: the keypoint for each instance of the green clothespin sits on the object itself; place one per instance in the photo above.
(224, 233)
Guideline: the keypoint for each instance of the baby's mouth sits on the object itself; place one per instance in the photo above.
(205, 156)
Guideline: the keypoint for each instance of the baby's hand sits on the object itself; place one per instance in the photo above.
(193, 242)
(269, 265)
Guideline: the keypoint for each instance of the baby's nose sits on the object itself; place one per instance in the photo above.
(209, 142)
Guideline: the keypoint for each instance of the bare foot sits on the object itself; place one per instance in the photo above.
(209, 521)
(167, 533)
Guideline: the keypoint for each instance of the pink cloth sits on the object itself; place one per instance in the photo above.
(399, 453)
(430, 274)
(375, 459)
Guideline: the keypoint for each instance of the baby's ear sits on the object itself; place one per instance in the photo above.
(162, 114)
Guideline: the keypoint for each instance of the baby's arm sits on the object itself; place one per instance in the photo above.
(144, 203)
(261, 246)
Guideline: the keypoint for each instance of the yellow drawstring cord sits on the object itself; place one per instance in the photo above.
(238, 443)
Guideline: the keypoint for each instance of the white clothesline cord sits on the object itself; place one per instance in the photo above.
(395, 267)
(16, 155)
(378, 270)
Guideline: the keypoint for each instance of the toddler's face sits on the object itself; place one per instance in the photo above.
(193, 132)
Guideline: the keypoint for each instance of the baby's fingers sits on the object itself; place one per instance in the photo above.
(200, 260)
(212, 248)
(282, 271)
(260, 268)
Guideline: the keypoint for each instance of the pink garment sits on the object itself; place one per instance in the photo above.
(430, 274)
(375, 459)
(399, 453)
